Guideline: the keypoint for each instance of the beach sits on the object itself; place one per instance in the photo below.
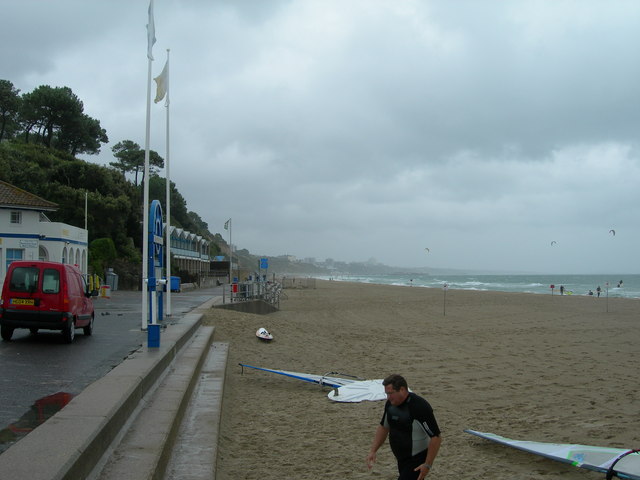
(547, 368)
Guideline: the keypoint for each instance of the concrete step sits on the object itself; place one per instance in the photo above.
(196, 448)
(143, 448)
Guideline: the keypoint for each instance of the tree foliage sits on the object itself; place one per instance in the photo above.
(51, 116)
(113, 205)
(130, 159)
(9, 109)
(102, 252)
(42, 131)
(179, 216)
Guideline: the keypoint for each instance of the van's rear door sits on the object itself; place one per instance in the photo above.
(24, 299)
(51, 306)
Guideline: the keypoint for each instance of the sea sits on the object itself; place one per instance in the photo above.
(622, 286)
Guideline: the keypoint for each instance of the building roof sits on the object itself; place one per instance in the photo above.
(14, 197)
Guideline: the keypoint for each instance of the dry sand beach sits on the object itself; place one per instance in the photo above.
(535, 367)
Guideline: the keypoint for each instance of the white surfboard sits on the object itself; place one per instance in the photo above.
(264, 335)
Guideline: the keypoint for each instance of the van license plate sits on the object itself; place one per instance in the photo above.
(22, 301)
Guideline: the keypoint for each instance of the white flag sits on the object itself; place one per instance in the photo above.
(151, 32)
(226, 224)
(162, 82)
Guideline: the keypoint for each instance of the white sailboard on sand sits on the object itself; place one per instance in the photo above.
(264, 335)
(348, 390)
(620, 462)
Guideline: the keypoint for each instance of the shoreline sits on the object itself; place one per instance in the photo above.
(516, 364)
(614, 292)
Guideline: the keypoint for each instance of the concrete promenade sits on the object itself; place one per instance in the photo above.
(125, 425)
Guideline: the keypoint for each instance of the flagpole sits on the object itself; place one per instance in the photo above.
(228, 224)
(145, 208)
(168, 182)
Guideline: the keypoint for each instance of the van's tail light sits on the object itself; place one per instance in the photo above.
(65, 297)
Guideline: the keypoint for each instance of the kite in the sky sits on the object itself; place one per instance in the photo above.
(553, 242)
(427, 250)
(613, 232)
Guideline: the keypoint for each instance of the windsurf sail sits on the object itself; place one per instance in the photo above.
(620, 462)
(359, 391)
(351, 389)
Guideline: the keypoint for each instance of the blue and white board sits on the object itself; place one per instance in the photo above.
(350, 390)
(626, 462)
(325, 380)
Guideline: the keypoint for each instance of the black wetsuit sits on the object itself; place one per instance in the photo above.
(411, 426)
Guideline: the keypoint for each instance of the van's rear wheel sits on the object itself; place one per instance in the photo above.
(34, 331)
(7, 333)
(88, 330)
(69, 332)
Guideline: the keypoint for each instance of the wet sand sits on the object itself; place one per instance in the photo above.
(537, 367)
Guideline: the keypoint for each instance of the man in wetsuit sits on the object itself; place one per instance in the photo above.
(412, 429)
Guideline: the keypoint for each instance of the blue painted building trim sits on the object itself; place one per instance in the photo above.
(45, 239)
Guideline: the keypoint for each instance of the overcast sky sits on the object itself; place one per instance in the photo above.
(358, 129)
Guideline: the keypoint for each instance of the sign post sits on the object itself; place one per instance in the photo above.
(156, 282)
(264, 265)
(445, 287)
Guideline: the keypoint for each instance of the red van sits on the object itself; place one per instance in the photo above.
(45, 295)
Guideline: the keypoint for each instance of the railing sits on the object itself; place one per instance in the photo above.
(269, 292)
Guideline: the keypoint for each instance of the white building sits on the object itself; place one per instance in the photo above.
(27, 234)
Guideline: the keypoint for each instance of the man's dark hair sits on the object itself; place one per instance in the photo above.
(396, 381)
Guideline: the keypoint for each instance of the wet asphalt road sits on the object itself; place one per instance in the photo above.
(35, 367)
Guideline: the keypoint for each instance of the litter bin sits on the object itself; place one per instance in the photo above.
(175, 284)
(112, 279)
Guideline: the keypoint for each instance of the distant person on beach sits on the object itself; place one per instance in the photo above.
(598, 290)
(414, 435)
(561, 289)
(590, 292)
(620, 284)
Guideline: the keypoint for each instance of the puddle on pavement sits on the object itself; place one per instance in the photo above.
(42, 409)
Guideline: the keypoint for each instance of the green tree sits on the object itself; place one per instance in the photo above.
(9, 109)
(55, 117)
(179, 214)
(130, 159)
(82, 134)
(200, 225)
(102, 253)
(47, 109)
(25, 166)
